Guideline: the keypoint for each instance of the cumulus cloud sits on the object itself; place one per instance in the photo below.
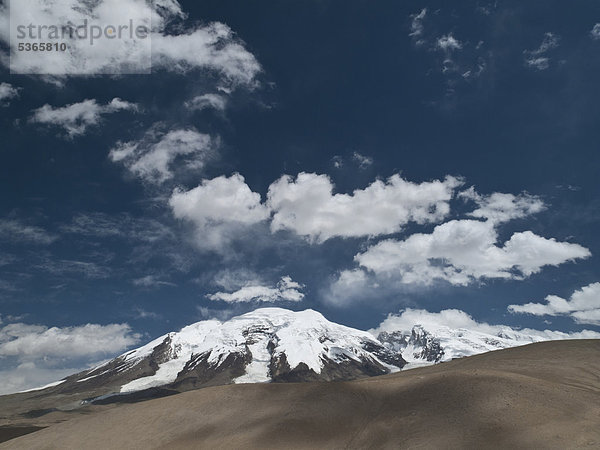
(350, 287)
(35, 355)
(217, 208)
(37, 341)
(460, 252)
(211, 47)
(7, 93)
(207, 101)
(12, 230)
(499, 207)
(220, 199)
(463, 251)
(307, 206)
(582, 307)
(76, 118)
(286, 290)
(538, 58)
(595, 33)
(159, 154)
(457, 319)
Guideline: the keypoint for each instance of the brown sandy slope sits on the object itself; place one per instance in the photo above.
(543, 395)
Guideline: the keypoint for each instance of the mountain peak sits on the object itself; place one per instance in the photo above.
(264, 345)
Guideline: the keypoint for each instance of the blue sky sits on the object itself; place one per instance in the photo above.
(353, 158)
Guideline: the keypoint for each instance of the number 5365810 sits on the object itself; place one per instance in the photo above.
(41, 47)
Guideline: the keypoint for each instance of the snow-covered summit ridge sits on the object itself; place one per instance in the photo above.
(424, 337)
(265, 342)
(296, 332)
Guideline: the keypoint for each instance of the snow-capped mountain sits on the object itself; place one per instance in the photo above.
(276, 345)
(266, 345)
(440, 343)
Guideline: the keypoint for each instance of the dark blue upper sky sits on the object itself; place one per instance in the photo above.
(503, 95)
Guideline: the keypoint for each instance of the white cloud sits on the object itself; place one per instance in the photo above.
(29, 375)
(91, 340)
(210, 47)
(220, 199)
(11, 318)
(362, 161)
(582, 307)
(169, 9)
(7, 93)
(416, 25)
(76, 118)
(549, 42)
(307, 206)
(538, 62)
(286, 290)
(34, 355)
(499, 207)
(217, 208)
(213, 47)
(159, 154)
(449, 43)
(461, 62)
(538, 58)
(463, 251)
(349, 287)
(233, 279)
(337, 161)
(143, 314)
(595, 33)
(460, 251)
(451, 318)
(207, 101)
(457, 319)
